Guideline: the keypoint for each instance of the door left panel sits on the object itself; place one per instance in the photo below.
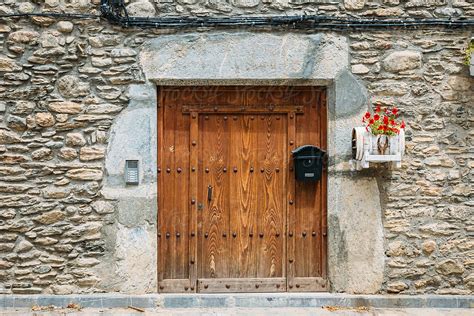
(173, 195)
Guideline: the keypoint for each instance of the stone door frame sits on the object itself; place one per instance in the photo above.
(355, 231)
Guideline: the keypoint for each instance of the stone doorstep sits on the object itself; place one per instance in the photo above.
(249, 300)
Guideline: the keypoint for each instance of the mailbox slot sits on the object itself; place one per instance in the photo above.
(308, 162)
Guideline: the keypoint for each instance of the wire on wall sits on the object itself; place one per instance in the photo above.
(114, 11)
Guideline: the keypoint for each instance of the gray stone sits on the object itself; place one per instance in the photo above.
(65, 107)
(49, 40)
(233, 57)
(42, 154)
(22, 107)
(396, 287)
(104, 40)
(45, 241)
(26, 7)
(7, 137)
(44, 119)
(443, 229)
(70, 87)
(65, 26)
(449, 267)
(103, 207)
(5, 264)
(122, 52)
(7, 213)
(8, 65)
(448, 12)
(246, 3)
(360, 69)
(101, 61)
(354, 4)
(67, 153)
(429, 246)
(16, 123)
(459, 83)
(91, 153)
(24, 37)
(50, 217)
(354, 241)
(141, 8)
(75, 139)
(23, 245)
(84, 174)
(42, 269)
(402, 60)
(103, 108)
(86, 262)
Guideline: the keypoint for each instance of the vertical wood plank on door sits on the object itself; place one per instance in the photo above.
(181, 205)
(271, 145)
(203, 182)
(313, 198)
(216, 212)
(307, 196)
(251, 201)
(242, 195)
(194, 145)
(234, 192)
(291, 220)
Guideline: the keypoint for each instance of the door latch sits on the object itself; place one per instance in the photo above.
(209, 193)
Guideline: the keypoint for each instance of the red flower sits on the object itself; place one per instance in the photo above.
(394, 111)
(392, 122)
(371, 121)
(376, 117)
(377, 108)
(403, 124)
(380, 128)
(385, 120)
(367, 114)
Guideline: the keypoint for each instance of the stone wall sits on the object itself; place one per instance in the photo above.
(428, 208)
(64, 84)
(361, 8)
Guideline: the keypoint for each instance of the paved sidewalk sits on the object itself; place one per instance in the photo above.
(315, 311)
(238, 300)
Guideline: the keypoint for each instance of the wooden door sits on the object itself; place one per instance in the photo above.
(242, 202)
(231, 216)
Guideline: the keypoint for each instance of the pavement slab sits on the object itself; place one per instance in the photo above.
(314, 311)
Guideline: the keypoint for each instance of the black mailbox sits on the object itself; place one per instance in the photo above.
(308, 161)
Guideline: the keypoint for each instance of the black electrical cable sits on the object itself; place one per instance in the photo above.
(114, 12)
(50, 15)
(308, 22)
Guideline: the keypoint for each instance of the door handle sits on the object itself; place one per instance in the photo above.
(209, 193)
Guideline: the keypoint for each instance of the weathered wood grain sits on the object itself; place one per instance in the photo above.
(242, 235)
(247, 285)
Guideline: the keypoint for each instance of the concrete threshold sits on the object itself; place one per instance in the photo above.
(238, 300)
